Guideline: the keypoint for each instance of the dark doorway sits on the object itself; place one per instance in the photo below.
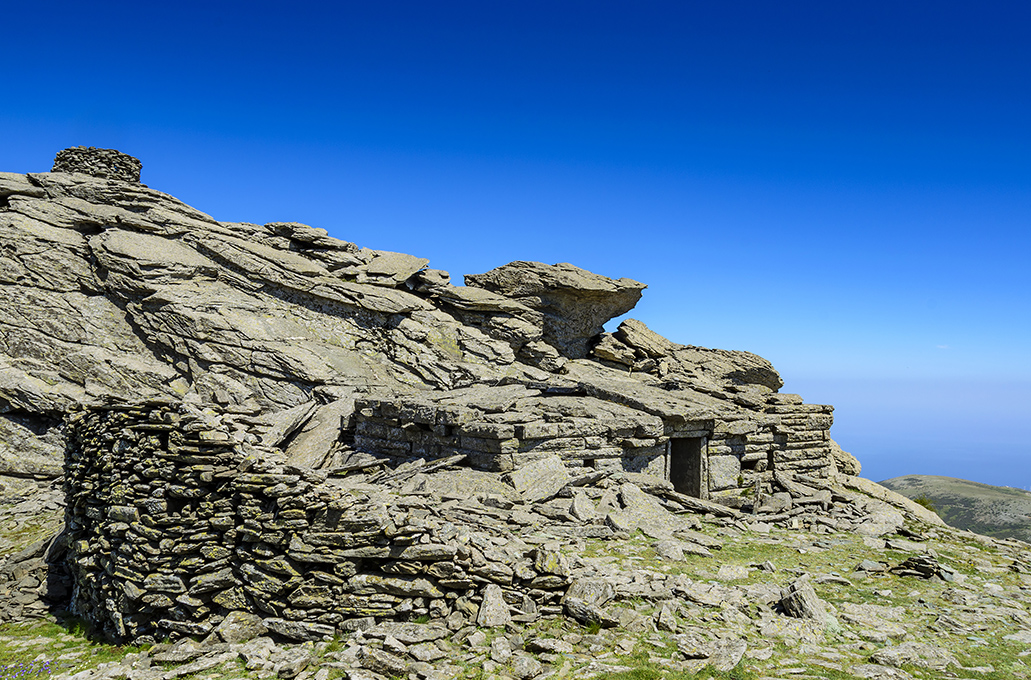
(685, 465)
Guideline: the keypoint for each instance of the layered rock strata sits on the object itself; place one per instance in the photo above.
(114, 292)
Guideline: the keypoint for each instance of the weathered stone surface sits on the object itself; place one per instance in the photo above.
(493, 609)
(895, 499)
(915, 654)
(800, 601)
(298, 630)
(635, 345)
(104, 163)
(311, 446)
(727, 653)
(575, 303)
(384, 663)
(844, 462)
(647, 513)
(724, 472)
(391, 269)
(540, 480)
(635, 334)
(29, 448)
(240, 626)
(289, 663)
(877, 672)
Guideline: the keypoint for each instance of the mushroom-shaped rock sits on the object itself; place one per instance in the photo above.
(575, 302)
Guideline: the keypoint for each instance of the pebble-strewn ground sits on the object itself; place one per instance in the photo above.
(718, 616)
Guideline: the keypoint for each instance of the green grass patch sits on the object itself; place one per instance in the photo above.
(35, 645)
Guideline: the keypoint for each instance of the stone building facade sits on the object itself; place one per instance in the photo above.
(508, 427)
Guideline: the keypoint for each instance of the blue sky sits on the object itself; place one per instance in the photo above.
(844, 189)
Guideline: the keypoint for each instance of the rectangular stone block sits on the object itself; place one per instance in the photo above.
(723, 472)
(554, 444)
(819, 422)
(541, 479)
(455, 415)
(798, 408)
(426, 450)
(637, 443)
(491, 462)
(387, 446)
(424, 414)
(489, 445)
(785, 455)
(488, 430)
(755, 456)
(591, 454)
(365, 428)
(648, 464)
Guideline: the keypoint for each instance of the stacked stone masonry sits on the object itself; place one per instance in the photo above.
(172, 525)
(517, 425)
(102, 163)
(512, 426)
(178, 520)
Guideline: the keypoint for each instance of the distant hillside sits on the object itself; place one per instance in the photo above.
(999, 511)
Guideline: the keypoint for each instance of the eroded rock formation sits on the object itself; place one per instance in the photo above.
(248, 417)
(116, 293)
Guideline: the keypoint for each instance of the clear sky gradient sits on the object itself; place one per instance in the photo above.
(843, 188)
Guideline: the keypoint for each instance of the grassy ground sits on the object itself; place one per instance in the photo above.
(968, 619)
(998, 511)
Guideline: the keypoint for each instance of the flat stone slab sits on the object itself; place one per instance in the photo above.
(540, 480)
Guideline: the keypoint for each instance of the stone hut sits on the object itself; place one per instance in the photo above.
(706, 448)
(208, 388)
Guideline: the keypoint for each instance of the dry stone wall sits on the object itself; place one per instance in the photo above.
(177, 516)
(174, 521)
(180, 523)
(102, 163)
(788, 435)
(504, 428)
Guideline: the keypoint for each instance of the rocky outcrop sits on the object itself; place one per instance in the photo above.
(34, 578)
(281, 355)
(117, 293)
(574, 303)
(639, 348)
(272, 438)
